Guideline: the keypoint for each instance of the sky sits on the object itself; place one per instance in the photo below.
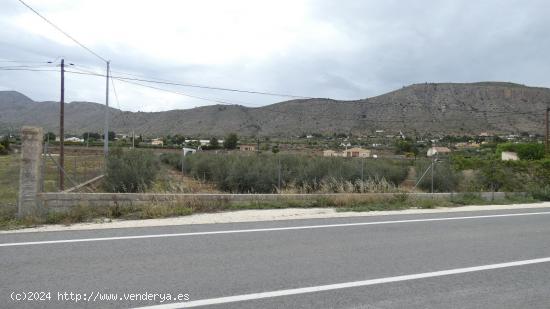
(346, 49)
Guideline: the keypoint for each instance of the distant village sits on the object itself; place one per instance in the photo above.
(380, 144)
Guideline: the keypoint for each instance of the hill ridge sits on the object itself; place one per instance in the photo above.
(439, 108)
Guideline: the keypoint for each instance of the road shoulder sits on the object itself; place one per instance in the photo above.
(263, 215)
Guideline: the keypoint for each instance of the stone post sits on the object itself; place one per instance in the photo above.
(29, 174)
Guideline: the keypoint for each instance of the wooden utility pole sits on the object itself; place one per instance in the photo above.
(182, 160)
(62, 129)
(362, 171)
(433, 167)
(279, 173)
(546, 141)
(106, 128)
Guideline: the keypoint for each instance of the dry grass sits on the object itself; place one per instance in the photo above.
(197, 205)
(171, 181)
(334, 185)
(78, 168)
(9, 181)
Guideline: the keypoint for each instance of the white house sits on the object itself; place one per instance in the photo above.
(356, 152)
(437, 150)
(331, 153)
(74, 139)
(509, 156)
(157, 142)
(188, 151)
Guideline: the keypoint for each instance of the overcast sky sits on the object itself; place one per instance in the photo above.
(345, 49)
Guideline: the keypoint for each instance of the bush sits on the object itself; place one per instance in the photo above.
(230, 141)
(525, 151)
(5, 146)
(445, 179)
(130, 171)
(541, 193)
(461, 162)
(497, 175)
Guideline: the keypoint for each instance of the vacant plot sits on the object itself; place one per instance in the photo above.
(268, 173)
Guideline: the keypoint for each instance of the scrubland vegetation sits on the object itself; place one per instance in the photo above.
(130, 170)
(267, 173)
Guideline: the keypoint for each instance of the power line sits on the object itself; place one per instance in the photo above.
(114, 91)
(25, 66)
(21, 61)
(168, 82)
(179, 93)
(215, 88)
(214, 100)
(122, 113)
(36, 66)
(61, 30)
(27, 69)
(172, 83)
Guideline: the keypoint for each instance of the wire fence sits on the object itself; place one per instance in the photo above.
(77, 169)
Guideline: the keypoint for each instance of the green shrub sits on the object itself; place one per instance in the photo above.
(445, 178)
(130, 171)
(468, 199)
(4, 146)
(525, 151)
(541, 193)
(541, 171)
(461, 162)
(497, 175)
(230, 141)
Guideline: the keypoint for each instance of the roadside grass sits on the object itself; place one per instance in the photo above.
(402, 201)
(97, 214)
(196, 205)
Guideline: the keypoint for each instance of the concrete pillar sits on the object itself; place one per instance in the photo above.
(29, 175)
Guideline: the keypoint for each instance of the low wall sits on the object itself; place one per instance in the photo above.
(66, 200)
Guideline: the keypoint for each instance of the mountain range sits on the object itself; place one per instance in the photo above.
(439, 108)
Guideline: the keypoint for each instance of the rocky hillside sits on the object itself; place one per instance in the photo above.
(440, 108)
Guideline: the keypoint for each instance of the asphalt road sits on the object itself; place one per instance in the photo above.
(406, 252)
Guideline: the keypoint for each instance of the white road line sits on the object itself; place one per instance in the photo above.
(345, 285)
(76, 240)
